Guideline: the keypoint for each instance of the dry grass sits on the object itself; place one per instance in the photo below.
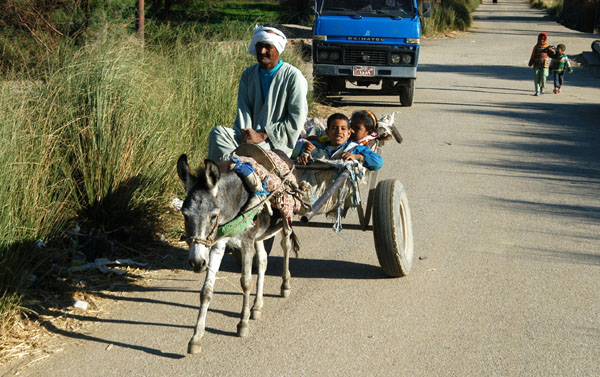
(28, 337)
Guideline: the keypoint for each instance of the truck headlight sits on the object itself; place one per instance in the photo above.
(334, 56)
(406, 58)
(395, 58)
(323, 55)
(414, 41)
(320, 37)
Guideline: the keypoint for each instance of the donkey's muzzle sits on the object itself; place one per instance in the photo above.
(197, 266)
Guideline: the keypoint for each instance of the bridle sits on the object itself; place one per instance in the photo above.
(210, 240)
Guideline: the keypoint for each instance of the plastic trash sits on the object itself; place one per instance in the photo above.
(177, 203)
(102, 263)
(80, 304)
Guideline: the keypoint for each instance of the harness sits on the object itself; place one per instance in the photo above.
(238, 224)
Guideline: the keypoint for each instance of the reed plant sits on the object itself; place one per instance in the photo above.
(450, 15)
(94, 138)
(553, 7)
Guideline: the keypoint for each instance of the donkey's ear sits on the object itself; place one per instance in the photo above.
(183, 170)
(212, 173)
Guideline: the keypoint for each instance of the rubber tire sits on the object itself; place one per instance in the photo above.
(407, 93)
(392, 228)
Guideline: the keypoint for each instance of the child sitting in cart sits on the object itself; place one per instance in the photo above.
(337, 144)
(364, 126)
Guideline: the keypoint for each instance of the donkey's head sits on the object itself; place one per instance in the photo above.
(200, 210)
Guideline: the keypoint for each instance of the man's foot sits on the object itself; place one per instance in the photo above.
(542, 91)
(536, 94)
(559, 90)
(555, 90)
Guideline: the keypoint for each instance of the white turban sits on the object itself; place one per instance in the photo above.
(268, 35)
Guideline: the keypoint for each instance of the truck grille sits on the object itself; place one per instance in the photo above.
(371, 57)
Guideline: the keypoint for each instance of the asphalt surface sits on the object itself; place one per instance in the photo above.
(504, 192)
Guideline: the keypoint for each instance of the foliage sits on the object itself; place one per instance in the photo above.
(93, 138)
(450, 15)
(553, 7)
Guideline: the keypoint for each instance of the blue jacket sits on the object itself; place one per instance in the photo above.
(372, 160)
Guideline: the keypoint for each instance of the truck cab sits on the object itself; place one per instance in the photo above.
(367, 43)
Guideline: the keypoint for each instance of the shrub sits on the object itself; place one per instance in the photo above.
(450, 15)
(94, 139)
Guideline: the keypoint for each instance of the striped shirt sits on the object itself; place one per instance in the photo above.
(539, 56)
(560, 64)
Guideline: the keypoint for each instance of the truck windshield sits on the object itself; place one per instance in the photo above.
(370, 8)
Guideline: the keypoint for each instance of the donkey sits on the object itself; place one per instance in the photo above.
(214, 198)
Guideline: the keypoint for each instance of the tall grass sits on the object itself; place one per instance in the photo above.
(95, 140)
(450, 15)
(553, 7)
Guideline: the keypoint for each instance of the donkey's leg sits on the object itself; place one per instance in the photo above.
(216, 255)
(286, 245)
(246, 281)
(261, 261)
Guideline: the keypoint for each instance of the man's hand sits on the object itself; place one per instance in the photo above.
(347, 156)
(253, 137)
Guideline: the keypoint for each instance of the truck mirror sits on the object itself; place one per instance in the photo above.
(312, 5)
(426, 9)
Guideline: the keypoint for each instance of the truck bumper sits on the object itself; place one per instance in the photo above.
(345, 71)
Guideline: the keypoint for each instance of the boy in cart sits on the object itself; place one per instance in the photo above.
(338, 145)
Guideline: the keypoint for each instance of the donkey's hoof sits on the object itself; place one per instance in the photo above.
(194, 348)
(256, 314)
(285, 293)
(242, 330)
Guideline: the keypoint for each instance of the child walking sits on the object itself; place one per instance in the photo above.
(540, 61)
(559, 64)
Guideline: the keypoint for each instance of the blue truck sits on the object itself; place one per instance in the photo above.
(365, 43)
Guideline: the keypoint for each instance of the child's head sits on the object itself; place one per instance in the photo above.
(561, 48)
(338, 129)
(542, 37)
(363, 123)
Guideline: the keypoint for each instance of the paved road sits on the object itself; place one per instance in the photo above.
(503, 188)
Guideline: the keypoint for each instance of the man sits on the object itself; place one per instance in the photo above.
(272, 105)
(272, 108)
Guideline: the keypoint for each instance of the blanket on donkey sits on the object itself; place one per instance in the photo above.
(278, 188)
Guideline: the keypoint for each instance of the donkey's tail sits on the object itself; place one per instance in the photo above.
(295, 243)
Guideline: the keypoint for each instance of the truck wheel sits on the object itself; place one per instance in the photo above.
(392, 228)
(406, 93)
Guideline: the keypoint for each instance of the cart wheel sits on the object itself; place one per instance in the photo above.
(392, 228)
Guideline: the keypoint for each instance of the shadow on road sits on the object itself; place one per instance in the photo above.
(314, 268)
(75, 335)
(558, 143)
(512, 74)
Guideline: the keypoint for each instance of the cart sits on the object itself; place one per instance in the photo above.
(386, 205)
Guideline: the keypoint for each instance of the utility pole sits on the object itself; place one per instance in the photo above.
(141, 19)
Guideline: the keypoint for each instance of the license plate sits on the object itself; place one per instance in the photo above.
(363, 71)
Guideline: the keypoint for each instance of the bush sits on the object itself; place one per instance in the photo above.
(553, 7)
(450, 15)
(93, 139)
